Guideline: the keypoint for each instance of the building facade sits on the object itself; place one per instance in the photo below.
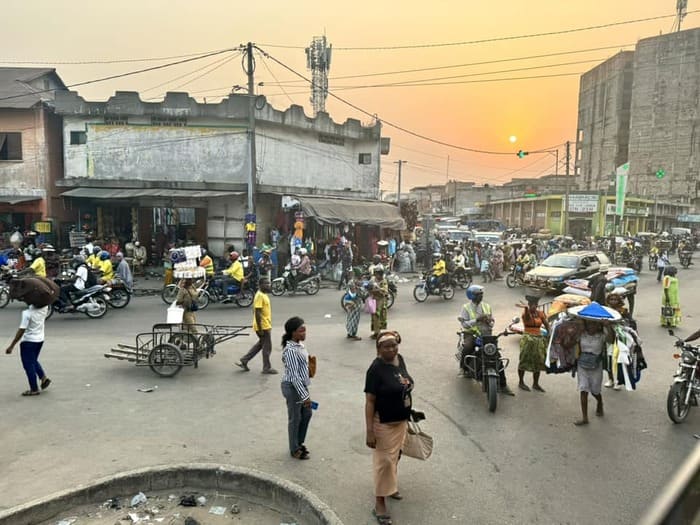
(31, 146)
(180, 169)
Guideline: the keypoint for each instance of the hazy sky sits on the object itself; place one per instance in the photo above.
(540, 112)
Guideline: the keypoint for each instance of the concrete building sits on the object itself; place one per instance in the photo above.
(642, 107)
(31, 147)
(179, 169)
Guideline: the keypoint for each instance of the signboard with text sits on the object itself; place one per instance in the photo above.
(583, 203)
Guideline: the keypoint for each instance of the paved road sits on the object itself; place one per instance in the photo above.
(525, 464)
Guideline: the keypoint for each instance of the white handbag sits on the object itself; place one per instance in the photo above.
(175, 314)
(417, 444)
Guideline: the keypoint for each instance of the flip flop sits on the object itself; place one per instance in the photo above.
(31, 393)
(382, 519)
(45, 383)
(523, 386)
(396, 495)
(538, 388)
(580, 422)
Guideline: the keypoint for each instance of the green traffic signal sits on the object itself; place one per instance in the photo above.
(660, 174)
(521, 154)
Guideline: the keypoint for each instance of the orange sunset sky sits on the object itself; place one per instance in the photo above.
(540, 112)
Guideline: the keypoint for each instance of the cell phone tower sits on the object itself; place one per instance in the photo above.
(318, 60)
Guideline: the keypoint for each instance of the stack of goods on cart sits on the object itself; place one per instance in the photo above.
(185, 265)
(624, 278)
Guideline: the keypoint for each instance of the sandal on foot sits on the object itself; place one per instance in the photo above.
(600, 412)
(300, 454)
(31, 393)
(45, 383)
(382, 519)
(580, 422)
(538, 388)
(396, 495)
(523, 386)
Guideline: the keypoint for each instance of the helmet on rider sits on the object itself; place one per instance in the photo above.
(48, 249)
(437, 255)
(474, 290)
(458, 250)
(77, 261)
(234, 256)
(104, 255)
(96, 250)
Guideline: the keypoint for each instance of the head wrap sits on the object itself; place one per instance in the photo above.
(388, 335)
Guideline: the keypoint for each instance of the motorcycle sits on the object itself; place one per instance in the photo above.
(631, 260)
(685, 258)
(91, 301)
(516, 277)
(425, 288)
(120, 296)
(685, 389)
(310, 285)
(213, 291)
(5, 279)
(653, 262)
(486, 363)
(462, 277)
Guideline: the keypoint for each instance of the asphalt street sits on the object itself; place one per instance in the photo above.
(527, 463)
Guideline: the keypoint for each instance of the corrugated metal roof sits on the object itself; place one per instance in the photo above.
(131, 193)
(17, 93)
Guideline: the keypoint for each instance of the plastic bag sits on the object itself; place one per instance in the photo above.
(175, 314)
(371, 305)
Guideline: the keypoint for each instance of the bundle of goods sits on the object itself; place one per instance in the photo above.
(37, 291)
(185, 265)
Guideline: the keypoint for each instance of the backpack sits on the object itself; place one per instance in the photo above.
(91, 278)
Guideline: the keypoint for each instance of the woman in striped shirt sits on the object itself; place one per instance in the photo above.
(295, 383)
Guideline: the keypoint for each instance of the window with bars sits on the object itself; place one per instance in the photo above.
(10, 145)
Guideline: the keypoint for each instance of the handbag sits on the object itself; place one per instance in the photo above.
(417, 443)
(371, 305)
(175, 314)
(588, 360)
(312, 365)
(667, 311)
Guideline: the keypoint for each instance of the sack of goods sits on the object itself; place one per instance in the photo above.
(37, 291)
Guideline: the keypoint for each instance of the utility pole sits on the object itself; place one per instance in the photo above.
(566, 198)
(398, 191)
(252, 175)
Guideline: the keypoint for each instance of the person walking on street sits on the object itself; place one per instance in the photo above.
(533, 345)
(379, 290)
(661, 263)
(295, 386)
(187, 296)
(670, 298)
(30, 336)
(262, 325)
(352, 304)
(589, 368)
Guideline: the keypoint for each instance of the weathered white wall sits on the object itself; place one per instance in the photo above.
(156, 153)
(225, 223)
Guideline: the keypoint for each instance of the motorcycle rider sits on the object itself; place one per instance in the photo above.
(105, 266)
(304, 268)
(123, 271)
(93, 260)
(476, 319)
(438, 273)
(205, 262)
(78, 284)
(233, 274)
(38, 266)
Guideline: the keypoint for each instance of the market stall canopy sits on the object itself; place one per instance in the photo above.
(133, 193)
(12, 196)
(328, 210)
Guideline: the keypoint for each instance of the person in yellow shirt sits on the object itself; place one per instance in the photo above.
(105, 266)
(38, 265)
(262, 324)
(439, 270)
(93, 260)
(233, 272)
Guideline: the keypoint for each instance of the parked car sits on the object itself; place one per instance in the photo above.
(460, 235)
(551, 273)
(488, 237)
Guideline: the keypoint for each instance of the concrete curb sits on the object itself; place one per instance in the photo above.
(271, 490)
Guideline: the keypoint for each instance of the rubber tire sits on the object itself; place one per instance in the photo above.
(510, 281)
(492, 393)
(390, 300)
(419, 293)
(4, 297)
(277, 289)
(168, 354)
(673, 402)
(245, 299)
(50, 312)
(103, 311)
(448, 293)
(313, 287)
(119, 303)
(653, 266)
(203, 299)
(169, 293)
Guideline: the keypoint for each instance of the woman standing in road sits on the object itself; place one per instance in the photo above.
(295, 386)
(379, 290)
(352, 304)
(533, 346)
(670, 298)
(388, 387)
(589, 369)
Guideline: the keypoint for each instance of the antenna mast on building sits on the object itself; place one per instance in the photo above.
(681, 11)
(318, 60)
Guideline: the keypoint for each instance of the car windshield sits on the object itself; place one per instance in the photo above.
(561, 261)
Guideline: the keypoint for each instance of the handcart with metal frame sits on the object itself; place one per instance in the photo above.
(169, 347)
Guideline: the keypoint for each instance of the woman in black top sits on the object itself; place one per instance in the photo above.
(388, 388)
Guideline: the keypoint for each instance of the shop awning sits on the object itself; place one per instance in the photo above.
(134, 193)
(327, 210)
(15, 197)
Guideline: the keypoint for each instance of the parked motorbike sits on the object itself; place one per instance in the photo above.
(516, 277)
(310, 285)
(91, 301)
(486, 363)
(462, 277)
(425, 288)
(653, 262)
(5, 278)
(685, 258)
(685, 389)
(363, 292)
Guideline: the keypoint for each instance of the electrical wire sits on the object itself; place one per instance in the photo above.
(105, 61)
(273, 76)
(214, 62)
(488, 40)
(122, 75)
